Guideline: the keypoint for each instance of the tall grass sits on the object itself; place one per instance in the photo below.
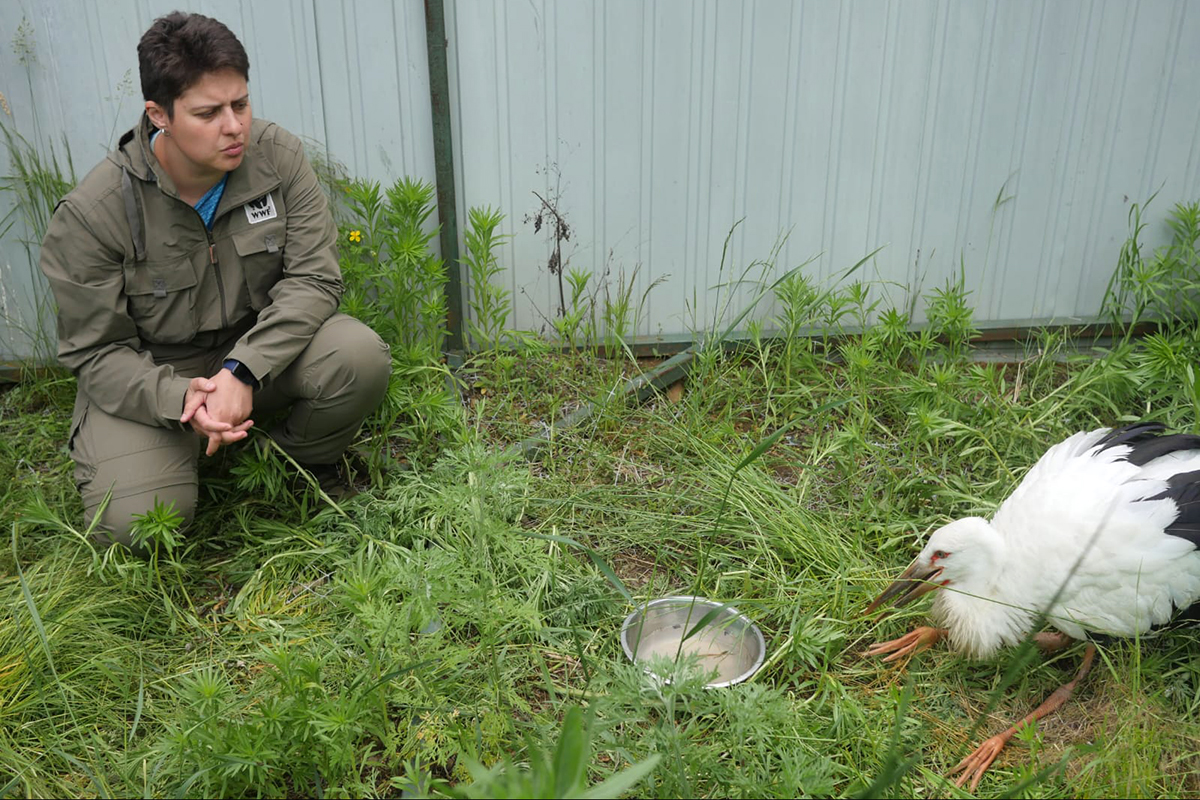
(454, 630)
(36, 181)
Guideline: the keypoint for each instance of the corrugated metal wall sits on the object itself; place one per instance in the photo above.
(848, 126)
(654, 126)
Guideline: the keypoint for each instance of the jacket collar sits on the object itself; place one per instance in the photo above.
(253, 178)
(133, 152)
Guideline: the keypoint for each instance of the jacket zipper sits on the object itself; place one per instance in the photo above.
(212, 259)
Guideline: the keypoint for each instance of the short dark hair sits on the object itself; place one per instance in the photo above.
(179, 49)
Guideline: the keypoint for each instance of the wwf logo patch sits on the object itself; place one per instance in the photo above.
(261, 210)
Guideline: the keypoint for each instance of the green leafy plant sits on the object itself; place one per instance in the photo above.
(1161, 287)
(260, 472)
(394, 281)
(576, 326)
(395, 284)
(951, 316)
(490, 303)
(300, 734)
(561, 773)
(157, 528)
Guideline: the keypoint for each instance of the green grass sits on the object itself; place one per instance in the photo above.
(454, 630)
(449, 622)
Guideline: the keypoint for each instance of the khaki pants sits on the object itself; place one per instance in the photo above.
(331, 387)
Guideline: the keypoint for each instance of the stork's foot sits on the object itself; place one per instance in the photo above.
(973, 766)
(913, 642)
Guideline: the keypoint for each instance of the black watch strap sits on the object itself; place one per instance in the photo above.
(241, 372)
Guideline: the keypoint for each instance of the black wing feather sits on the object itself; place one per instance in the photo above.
(1184, 489)
(1147, 443)
(1131, 434)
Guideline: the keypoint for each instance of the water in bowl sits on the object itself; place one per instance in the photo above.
(717, 647)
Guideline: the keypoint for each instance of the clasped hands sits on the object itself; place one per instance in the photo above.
(218, 408)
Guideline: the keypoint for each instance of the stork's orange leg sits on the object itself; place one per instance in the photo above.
(913, 642)
(973, 766)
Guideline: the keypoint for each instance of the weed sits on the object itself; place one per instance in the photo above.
(576, 326)
(37, 182)
(1164, 286)
(157, 528)
(558, 232)
(951, 316)
(622, 315)
(561, 773)
(395, 284)
(490, 304)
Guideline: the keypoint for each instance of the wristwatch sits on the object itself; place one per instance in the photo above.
(241, 372)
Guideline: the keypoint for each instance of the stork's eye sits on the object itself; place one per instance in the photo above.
(939, 554)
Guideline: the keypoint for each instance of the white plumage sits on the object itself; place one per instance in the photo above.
(1100, 536)
(1096, 536)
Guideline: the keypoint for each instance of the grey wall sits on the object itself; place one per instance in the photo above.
(655, 126)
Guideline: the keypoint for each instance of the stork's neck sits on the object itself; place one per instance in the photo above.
(983, 605)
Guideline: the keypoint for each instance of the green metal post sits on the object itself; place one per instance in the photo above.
(443, 156)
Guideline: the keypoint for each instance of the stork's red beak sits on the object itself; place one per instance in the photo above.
(912, 583)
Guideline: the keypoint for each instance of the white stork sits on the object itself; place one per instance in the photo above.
(1100, 537)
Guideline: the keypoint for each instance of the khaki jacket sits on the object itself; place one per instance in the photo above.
(140, 282)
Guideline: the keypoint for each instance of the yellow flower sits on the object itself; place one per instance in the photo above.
(356, 236)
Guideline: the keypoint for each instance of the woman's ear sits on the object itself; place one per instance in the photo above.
(157, 114)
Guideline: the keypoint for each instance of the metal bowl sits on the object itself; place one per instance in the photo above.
(729, 642)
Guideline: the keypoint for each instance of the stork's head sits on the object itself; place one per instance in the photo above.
(956, 554)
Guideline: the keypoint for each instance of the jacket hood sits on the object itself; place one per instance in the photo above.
(133, 151)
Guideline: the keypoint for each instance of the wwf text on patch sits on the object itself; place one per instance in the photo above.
(261, 210)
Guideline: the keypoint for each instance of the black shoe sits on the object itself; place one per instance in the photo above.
(370, 462)
(333, 480)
